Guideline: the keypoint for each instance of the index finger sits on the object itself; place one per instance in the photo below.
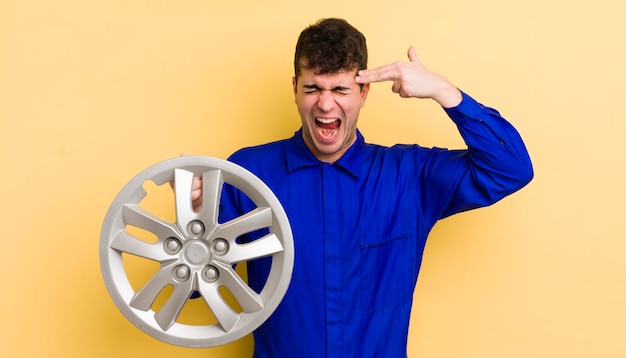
(379, 74)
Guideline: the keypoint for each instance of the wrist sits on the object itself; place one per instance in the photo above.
(448, 96)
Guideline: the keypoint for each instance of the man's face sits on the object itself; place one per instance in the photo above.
(329, 107)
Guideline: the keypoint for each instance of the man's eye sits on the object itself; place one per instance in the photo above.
(342, 90)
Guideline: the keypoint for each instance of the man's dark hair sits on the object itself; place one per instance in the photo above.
(330, 46)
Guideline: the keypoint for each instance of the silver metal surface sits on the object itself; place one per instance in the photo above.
(196, 253)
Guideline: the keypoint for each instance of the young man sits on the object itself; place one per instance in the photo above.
(360, 213)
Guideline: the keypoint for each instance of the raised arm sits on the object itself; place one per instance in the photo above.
(495, 163)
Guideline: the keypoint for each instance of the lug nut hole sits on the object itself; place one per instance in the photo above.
(181, 273)
(196, 228)
(210, 274)
(172, 245)
(220, 246)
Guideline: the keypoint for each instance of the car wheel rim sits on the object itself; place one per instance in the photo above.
(196, 253)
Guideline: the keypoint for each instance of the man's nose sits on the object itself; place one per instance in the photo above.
(326, 101)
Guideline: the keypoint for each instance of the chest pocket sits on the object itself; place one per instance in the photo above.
(388, 261)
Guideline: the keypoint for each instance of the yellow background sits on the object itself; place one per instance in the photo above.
(92, 92)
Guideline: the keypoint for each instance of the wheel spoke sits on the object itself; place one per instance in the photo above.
(136, 216)
(249, 300)
(144, 298)
(212, 182)
(265, 246)
(183, 182)
(225, 315)
(168, 314)
(125, 242)
(258, 218)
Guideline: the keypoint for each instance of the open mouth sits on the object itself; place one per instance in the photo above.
(327, 127)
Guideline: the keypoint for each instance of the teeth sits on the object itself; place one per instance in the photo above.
(328, 133)
(326, 120)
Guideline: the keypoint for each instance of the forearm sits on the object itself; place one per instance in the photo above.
(498, 163)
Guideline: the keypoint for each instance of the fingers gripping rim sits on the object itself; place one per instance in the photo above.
(196, 253)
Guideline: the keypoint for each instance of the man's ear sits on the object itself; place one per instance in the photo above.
(364, 91)
(294, 83)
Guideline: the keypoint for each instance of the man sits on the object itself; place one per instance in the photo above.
(360, 213)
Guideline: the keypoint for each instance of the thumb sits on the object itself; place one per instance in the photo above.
(412, 54)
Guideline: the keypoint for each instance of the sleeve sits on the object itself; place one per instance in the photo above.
(494, 165)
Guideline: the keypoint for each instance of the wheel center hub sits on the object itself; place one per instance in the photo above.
(197, 253)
